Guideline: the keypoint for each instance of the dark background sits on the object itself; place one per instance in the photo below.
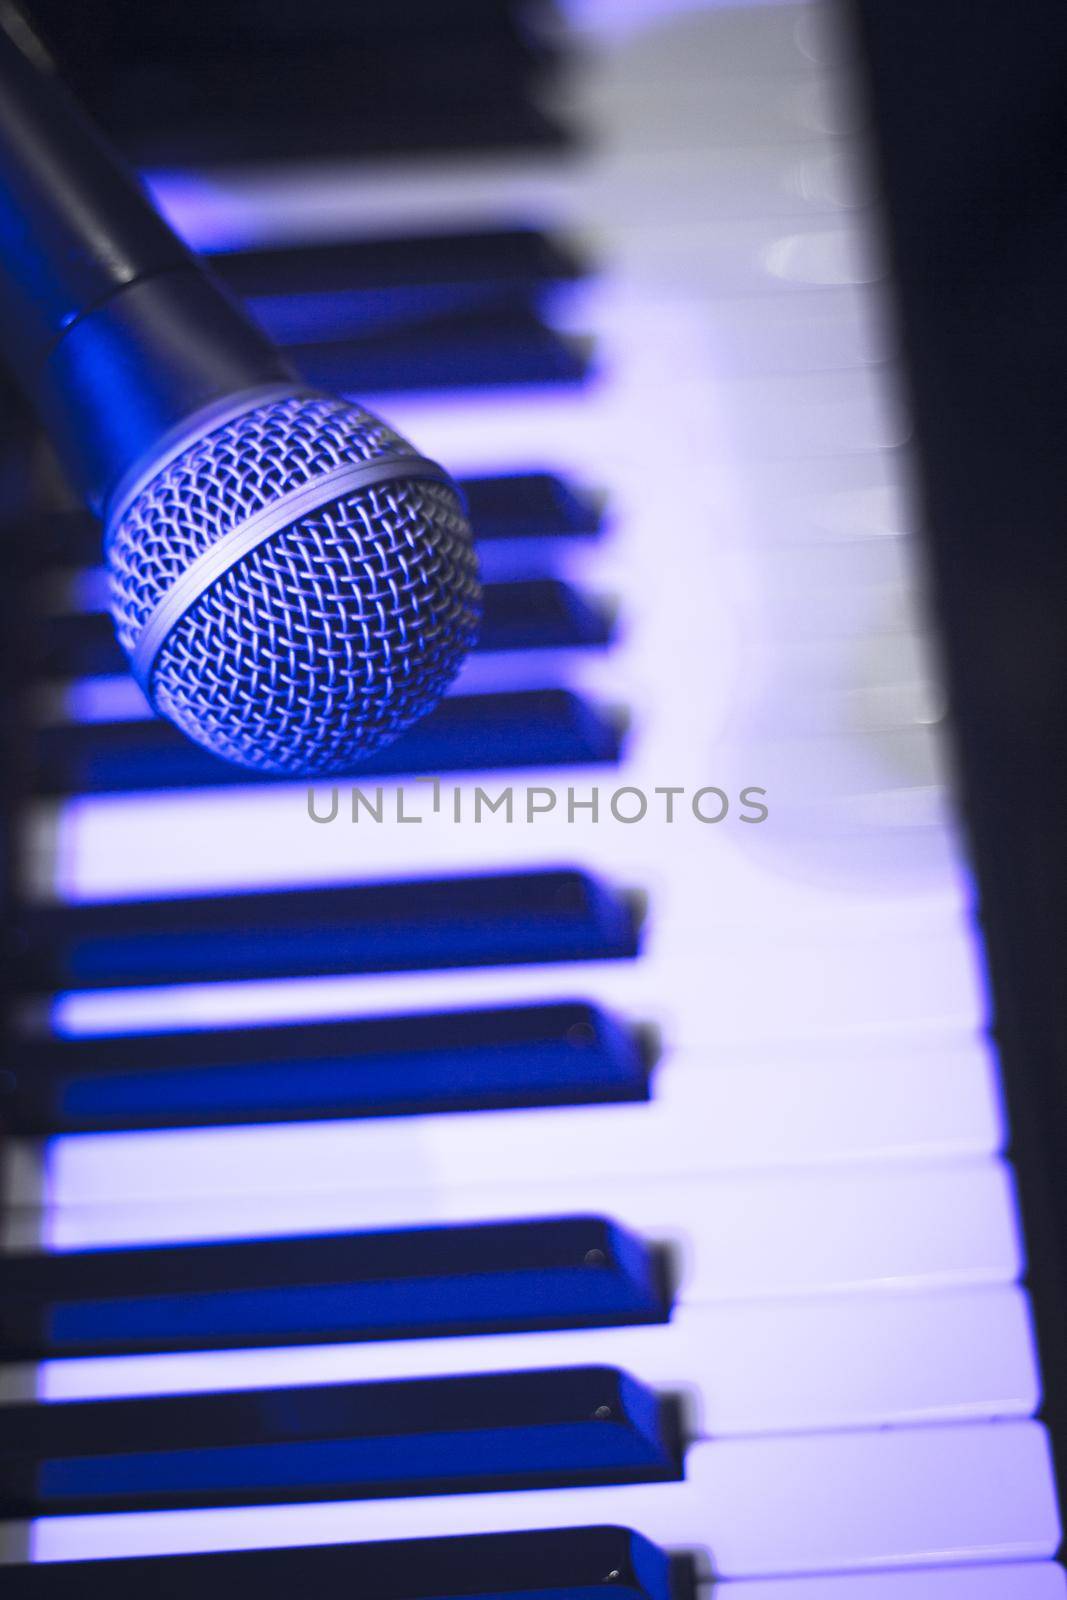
(969, 102)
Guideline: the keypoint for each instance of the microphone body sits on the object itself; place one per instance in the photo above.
(293, 583)
(112, 326)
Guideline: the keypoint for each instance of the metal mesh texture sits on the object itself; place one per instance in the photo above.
(333, 635)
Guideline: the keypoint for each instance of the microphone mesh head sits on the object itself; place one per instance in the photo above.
(327, 639)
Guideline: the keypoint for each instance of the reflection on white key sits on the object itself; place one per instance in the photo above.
(721, 259)
(848, 499)
(821, 258)
(828, 591)
(819, 34)
(897, 1497)
(788, 1234)
(743, 1369)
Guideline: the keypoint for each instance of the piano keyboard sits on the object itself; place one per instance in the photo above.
(567, 1158)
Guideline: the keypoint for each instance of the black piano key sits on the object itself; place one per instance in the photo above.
(356, 315)
(305, 124)
(110, 39)
(556, 1564)
(465, 733)
(76, 644)
(506, 346)
(565, 1426)
(531, 505)
(570, 1272)
(495, 919)
(318, 86)
(294, 112)
(350, 288)
(565, 1054)
(520, 505)
(523, 256)
(532, 614)
(542, 613)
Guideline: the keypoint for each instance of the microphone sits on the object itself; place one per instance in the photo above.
(292, 582)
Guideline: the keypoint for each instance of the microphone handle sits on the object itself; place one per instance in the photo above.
(111, 325)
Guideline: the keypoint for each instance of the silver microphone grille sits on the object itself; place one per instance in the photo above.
(295, 587)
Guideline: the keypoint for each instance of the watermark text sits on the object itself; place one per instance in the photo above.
(409, 804)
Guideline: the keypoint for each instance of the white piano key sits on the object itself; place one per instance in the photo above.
(757, 1507)
(826, 592)
(773, 334)
(772, 40)
(836, 773)
(112, 699)
(595, 192)
(630, 45)
(742, 1369)
(717, 990)
(769, 1236)
(809, 258)
(701, 1120)
(722, 428)
(1037, 1580)
(822, 35)
(867, 694)
(814, 414)
(912, 1497)
(666, 102)
(115, 847)
(818, 501)
(904, 658)
(719, 259)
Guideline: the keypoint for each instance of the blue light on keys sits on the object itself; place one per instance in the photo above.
(822, 1153)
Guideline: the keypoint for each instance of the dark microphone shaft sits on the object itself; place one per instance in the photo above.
(114, 329)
